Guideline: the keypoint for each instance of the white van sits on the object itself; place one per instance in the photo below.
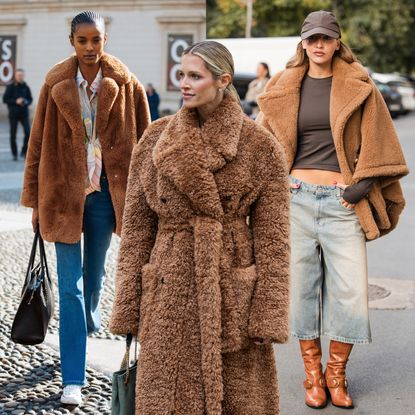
(247, 53)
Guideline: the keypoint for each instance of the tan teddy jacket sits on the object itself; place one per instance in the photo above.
(364, 136)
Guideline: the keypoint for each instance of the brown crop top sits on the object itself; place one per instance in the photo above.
(315, 146)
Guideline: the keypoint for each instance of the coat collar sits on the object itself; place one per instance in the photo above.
(281, 100)
(64, 90)
(190, 155)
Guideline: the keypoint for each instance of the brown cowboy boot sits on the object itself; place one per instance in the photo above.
(315, 385)
(336, 374)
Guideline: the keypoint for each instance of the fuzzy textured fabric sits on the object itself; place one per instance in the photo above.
(204, 264)
(56, 168)
(364, 137)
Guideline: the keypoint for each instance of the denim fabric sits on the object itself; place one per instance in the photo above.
(80, 284)
(329, 290)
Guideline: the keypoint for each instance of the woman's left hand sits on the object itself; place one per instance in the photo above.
(346, 204)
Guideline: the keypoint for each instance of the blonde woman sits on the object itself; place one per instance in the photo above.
(345, 163)
(203, 267)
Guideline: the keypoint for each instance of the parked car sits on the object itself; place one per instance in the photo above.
(241, 82)
(403, 86)
(392, 97)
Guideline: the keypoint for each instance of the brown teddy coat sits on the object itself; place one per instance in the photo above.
(204, 264)
(56, 167)
(363, 132)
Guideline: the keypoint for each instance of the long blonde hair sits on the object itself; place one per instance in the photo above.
(300, 58)
(218, 61)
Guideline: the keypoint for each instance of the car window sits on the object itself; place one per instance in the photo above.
(405, 84)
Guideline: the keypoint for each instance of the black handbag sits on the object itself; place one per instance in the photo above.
(36, 305)
(123, 384)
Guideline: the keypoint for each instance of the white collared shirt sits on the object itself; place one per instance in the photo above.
(92, 144)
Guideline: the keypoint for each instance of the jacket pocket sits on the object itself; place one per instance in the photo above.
(149, 282)
(236, 304)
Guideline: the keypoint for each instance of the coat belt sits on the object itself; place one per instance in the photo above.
(208, 248)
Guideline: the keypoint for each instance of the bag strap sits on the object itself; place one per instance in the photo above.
(32, 256)
(125, 364)
(43, 260)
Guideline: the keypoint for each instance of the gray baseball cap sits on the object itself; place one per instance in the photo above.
(320, 22)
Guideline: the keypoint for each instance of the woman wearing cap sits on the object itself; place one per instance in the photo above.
(345, 163)
(91, 111)
(204, 257)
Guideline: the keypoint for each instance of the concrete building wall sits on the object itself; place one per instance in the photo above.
(137, 34)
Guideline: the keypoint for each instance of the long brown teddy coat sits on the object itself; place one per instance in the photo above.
(363, 132)
(56, 166)
(204, 264)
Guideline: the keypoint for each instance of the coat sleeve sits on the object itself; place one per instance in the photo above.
(29, 196)
(270, 225)
(29, 98)
(137, 239)
(142, 110)
(380, 157)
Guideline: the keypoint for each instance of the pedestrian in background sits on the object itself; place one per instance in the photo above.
(153, 102)
(91, 112)
(345, 162)
(18, 97)
(203, 267)
(256, 88)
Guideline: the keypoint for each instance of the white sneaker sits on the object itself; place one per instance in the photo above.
(72, 395)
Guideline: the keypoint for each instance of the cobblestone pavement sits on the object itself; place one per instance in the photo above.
(30, 381)
(30, 375)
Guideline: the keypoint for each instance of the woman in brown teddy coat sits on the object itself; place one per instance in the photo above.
(91, 111)
(345, 163)
(203, 273)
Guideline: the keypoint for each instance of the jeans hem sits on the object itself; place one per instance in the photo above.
(306, 337)
(74, 382)
(341, 339)
(332, 337)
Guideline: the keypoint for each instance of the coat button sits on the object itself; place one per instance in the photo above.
(163, 200)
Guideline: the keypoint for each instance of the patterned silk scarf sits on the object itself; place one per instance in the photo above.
(93, 146)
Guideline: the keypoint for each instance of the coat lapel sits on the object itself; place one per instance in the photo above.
(66, 96)
(349, 90)
(61, 79)
(190, 155)
(107, 95)
(280, 105)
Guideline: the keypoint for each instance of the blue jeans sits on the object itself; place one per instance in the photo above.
(81, 283)
(329, 289)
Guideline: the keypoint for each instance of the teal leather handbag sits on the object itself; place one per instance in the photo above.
(123, 383)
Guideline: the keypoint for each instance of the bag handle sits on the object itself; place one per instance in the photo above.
(32, 256)
(43, 260)
(125, 364)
